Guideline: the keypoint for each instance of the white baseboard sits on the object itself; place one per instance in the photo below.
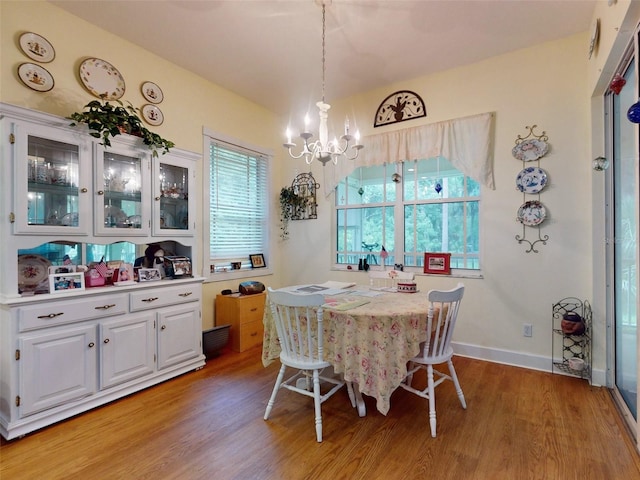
(516, 359)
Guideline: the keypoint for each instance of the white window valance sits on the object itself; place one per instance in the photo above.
(467, 143)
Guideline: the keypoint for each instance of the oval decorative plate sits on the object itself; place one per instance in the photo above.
(152, 92)
(35, 77)
(531, 180)
(531, 149)
(36, 47)
(152, 115)
(532, 213)
(32, 269)
(102, 79)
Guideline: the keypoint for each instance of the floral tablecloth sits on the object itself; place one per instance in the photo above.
(369, 344)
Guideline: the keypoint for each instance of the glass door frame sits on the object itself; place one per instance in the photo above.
(631, 58)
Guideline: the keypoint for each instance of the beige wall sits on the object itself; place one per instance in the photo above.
(545, 86)
(190, 103)
(549, 85)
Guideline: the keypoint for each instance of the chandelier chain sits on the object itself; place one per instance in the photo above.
(323, 48)
(323, 149)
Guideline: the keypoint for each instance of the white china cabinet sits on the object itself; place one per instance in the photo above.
(68, 200)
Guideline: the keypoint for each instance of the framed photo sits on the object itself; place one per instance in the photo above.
(124, 273)
(66, 282)
(439, 263)
(257, 261)
(149, 275)
(62, 269)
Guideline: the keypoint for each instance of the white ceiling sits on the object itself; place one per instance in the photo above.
(270, 51)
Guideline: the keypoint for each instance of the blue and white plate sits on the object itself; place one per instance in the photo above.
(531, 180)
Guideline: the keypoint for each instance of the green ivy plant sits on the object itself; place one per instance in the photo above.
(292, 207)
(106, 120)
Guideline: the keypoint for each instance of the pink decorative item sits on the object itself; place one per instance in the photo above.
(617, 83)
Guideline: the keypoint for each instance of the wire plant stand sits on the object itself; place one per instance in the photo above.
(566, 346)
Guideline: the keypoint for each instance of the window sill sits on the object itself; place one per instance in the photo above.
(461, 273)
(237, 274)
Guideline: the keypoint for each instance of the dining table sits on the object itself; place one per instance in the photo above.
(368, 337)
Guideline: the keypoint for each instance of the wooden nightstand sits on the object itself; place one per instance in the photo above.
(244, 314)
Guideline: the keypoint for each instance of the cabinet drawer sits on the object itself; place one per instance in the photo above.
(60, 312)
(251, 309)
(161, 297)
(251, 334)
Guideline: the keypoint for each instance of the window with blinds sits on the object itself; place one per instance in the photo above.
(238, 207)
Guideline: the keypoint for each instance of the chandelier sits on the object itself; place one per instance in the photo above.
(324, 149)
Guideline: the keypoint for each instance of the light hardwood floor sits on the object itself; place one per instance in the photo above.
(520, 424)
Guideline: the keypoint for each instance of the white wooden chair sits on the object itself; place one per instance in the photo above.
(301, 335)
(388, 279)
(441, 320)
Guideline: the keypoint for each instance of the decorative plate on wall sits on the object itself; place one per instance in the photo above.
(529, 150)
(531, 180)
(152, 115)
(532, 213)
(35, 77)
(152, 92)
(36, 47)
(101, 79)
(593, 38)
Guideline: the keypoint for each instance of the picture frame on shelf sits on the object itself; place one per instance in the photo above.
(66, 282)
(124, 274)
(257, 260)
(149, 275)
(62, 269)
(437, 263)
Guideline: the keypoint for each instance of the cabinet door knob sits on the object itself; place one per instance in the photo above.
(157, 199)
(91, 344)
(84, 190)
(106, 340)
(163, 327)
(254, 309)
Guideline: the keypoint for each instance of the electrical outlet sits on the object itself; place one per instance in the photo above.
(527, 329)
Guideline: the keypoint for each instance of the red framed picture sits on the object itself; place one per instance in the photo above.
(439, 263)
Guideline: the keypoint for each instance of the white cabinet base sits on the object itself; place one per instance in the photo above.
(21, 427)
(63, 356)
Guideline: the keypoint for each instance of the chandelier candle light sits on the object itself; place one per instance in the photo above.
(322, 149)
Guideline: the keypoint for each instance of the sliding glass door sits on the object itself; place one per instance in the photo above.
(623, 196)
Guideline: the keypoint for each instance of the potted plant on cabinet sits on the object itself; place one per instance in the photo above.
(106, 120)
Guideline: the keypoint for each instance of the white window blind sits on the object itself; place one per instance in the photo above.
(238, 203)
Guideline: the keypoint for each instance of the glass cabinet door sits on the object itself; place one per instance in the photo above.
(172, 212)
(121, 193)
(50, 191)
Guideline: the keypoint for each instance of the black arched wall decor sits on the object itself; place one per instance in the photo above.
(398, 107)
(304, 186)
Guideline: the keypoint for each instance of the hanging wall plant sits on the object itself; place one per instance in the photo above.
(292, 206)
(106, 120)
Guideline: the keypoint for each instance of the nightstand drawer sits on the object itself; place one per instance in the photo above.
(251, 308)
(244, 313)
(250, 335)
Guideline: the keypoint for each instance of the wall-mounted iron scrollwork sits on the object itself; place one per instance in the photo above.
(398, 107)
(304, 186)
(298, 202)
